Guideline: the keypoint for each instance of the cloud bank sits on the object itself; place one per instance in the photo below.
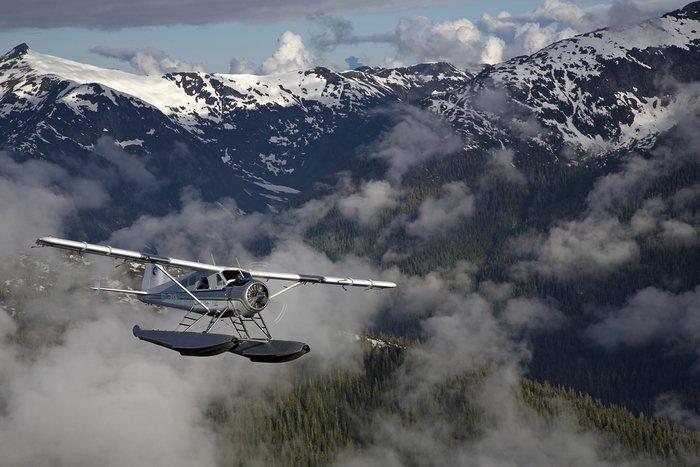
(147, 61)
(490, 39)
(132, 13)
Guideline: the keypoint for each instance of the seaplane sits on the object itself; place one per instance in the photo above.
(211, 295)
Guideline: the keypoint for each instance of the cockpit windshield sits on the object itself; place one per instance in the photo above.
(235, 277)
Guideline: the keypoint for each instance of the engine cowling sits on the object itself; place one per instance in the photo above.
(256, 296)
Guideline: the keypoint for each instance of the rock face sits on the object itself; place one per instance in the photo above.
(262, 139)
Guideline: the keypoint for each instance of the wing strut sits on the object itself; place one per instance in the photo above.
(206, 308)
(286, 289)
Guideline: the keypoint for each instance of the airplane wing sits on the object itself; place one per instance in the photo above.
(84, 247)
(312, 279)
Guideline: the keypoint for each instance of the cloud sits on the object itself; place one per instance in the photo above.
(416, 137)
(64, 372)
(626, 12)
(436, 216)
(466, 331)
(669, 406)
(333, 31)
(556, 10)
(243, 66)
(652, 315)
(457, 41)
(563, 15)
(531, 37)
(596, 244)
(353, 62)
(147, 61)
(56, 403)
(654, 218)
(491, 39)
(38, 196)
(291, 55)
(372, 198)
(131, 168)
(526, 314)
(501, 166)
(605, 236)
(493, 51)
(83, 355)
(116, 15)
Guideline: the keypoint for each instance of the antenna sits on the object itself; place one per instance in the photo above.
(213, 261)
(238, 262)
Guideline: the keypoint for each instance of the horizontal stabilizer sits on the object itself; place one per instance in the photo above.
(126, 291)
(198, 344)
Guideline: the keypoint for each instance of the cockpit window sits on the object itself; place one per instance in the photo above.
(203, 283)
(235, 277)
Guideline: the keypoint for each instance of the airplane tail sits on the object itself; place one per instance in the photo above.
(152, 277)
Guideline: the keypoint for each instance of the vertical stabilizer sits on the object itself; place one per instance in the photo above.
(152, 277)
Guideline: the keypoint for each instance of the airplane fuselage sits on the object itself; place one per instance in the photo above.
(241, 297)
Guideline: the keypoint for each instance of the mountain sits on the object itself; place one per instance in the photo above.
(263, 139)
(597, 92)
(258, 139)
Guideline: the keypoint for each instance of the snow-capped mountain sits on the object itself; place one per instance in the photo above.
(608, 89)
(270, 136)
(262, 139)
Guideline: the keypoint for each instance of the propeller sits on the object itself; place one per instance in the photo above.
(277, 306)
(257, 296)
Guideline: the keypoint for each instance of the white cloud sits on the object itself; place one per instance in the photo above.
(491, 39)
(652, 315)
(368, 201)
(669, 406)
(37, 197)
(457, 42)
(243, 66)
(291, 55)
(556, 10)
(147, 61)
(501, 166)
(131, 168)
(416, 137)
(438, 215)
(531, 37)
(493, 51)
(593, 245)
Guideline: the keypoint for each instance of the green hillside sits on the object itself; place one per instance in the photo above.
(336, 414)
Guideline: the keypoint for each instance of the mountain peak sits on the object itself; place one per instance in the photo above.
(691, 10)
(18, 50)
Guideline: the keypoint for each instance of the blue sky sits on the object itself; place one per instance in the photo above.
(213, 45)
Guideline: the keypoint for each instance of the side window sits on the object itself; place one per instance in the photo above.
(203, 284)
